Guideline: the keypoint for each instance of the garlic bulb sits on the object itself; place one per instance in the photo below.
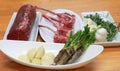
(101, 35)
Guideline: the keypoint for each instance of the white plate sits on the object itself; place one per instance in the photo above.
(103, 14)
(34, 31)
(107, 17)
(48, 35)
(13, 49)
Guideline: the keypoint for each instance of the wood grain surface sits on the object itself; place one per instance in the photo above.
(109, 60)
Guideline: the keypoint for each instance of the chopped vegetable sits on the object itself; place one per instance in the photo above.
(109, 26)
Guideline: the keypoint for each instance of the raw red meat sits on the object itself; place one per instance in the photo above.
(23, 23)
(64, 26)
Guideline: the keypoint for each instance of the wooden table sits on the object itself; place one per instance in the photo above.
(109, 60)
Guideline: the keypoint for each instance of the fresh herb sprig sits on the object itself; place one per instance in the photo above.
(109, 26)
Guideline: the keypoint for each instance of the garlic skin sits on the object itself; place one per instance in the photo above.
(101, 35)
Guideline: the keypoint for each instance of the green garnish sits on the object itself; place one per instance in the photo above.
(109, 26)
(80, 39)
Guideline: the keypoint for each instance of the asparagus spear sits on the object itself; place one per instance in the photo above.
(75, 46)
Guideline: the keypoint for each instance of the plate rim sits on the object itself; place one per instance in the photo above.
(70, 66)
